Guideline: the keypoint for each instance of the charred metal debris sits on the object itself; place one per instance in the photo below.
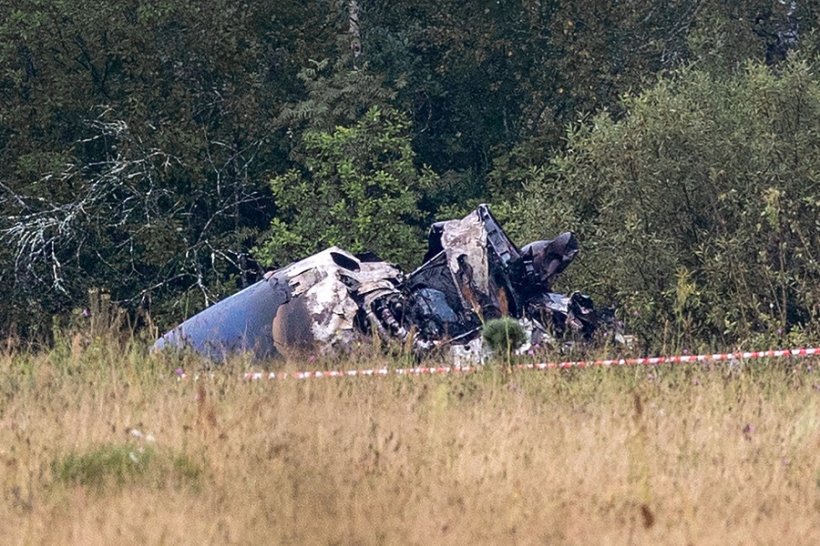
(332, 301)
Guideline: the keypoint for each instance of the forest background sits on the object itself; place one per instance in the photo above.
(167, 153)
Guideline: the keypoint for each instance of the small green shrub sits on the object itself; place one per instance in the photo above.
(504, 335)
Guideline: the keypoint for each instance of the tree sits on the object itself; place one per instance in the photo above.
(699, 208)
(139, 137)
(358, 188)
(154, 126)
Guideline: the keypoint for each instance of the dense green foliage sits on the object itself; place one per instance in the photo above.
(138, 137)
(700, 208)
(358, 188)
(169, 151)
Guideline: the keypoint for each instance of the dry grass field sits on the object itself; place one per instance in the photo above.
(105, 446)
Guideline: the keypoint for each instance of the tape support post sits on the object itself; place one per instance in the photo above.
(439, 370)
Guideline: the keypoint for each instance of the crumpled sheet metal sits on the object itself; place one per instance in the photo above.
(480, 259)
(239, 323)
(328, 302)
(304, 306)
(322, 312)
(465, 245)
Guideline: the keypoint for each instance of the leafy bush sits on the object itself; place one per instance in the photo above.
(358, 188)
(699, 210)
(504, 335)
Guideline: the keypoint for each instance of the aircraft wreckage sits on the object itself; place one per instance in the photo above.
(333, 300)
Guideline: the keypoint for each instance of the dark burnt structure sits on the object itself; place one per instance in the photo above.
(327, 302)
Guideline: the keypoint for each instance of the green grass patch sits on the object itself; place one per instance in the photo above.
(121, 465)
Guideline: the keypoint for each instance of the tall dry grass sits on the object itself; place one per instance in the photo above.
(664, 455)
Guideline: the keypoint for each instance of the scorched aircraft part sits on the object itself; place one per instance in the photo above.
(472, 272)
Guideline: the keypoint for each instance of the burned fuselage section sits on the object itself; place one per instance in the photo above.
(324, 302)
(328, 302)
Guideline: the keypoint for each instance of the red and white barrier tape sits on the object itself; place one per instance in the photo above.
(649, 361)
